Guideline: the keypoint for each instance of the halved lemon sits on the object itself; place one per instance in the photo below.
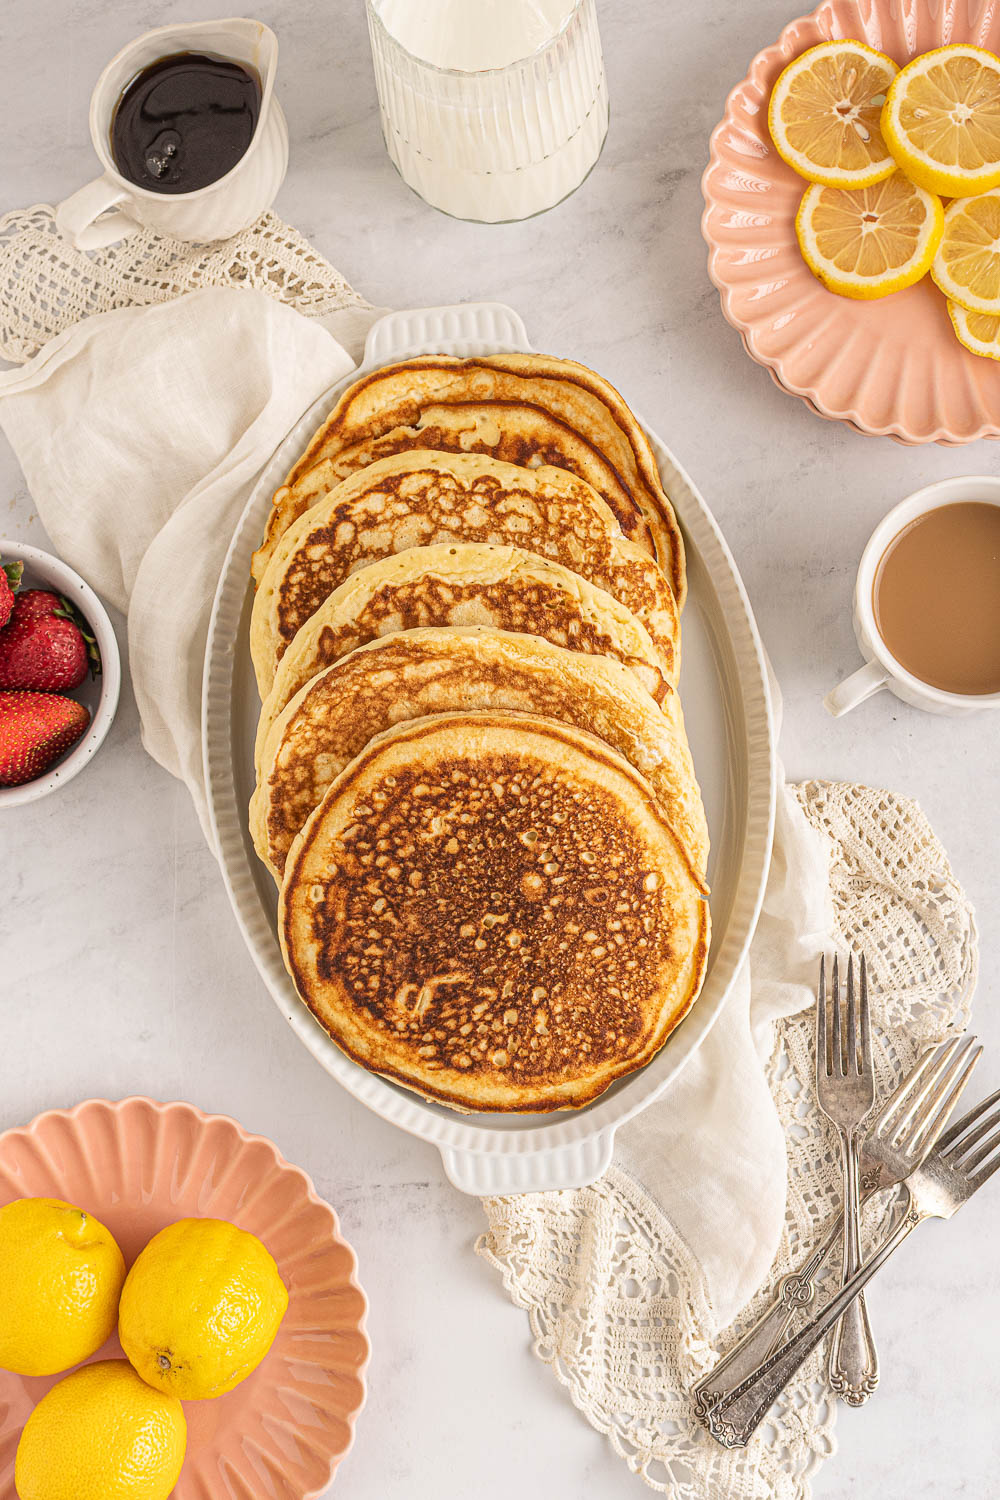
(979, 332)
(868, 242)
(967, 264)
(941, 120)
(825, 111)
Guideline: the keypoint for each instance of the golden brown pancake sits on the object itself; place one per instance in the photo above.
(422, 672)
(463, 584)
(511, 431)
(423, 499)
(398, 397)
(494, 912)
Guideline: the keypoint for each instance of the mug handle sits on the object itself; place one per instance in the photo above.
(855, 689)
(78, 216)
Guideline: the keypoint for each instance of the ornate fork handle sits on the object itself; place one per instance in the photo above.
(733, 1420)
(794, 1291)
(853, 1361)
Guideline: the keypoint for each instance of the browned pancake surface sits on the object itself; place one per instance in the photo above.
(514, 432)
(494, 913)
(420, 500)
(423, 672)
(455, 585)
(397, 397)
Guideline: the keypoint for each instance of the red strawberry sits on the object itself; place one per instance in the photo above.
(43, 647)
(33, 603)
(10, 577)
(35, 729)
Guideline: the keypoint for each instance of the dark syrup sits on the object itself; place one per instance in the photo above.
(184, 122)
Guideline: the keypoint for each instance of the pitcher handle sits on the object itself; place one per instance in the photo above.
(855, 689)
(79, 216)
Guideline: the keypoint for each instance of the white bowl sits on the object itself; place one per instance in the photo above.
(98, 694)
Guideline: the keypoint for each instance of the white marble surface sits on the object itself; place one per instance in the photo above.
(122, 968)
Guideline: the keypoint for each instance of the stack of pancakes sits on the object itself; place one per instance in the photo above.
(474, 788)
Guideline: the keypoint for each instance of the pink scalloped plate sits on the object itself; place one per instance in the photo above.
(138, 1166)
(891, 367)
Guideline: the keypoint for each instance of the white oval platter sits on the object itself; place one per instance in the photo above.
(724, 690)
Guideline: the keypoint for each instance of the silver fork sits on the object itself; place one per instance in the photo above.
(965, 1158)
(845, 1087)
(902, 1133)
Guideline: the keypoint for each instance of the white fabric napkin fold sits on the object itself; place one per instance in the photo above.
(711, 1153)
(141, 433)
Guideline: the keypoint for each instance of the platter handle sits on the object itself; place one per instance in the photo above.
(425, 328)
(496, 1174)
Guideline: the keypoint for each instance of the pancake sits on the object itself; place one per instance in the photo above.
(463, 584)
(421, 499)
(511, 431)
(398, 397)
(423, 672)
(494, 912)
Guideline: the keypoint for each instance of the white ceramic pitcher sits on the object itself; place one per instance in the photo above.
(111, 207)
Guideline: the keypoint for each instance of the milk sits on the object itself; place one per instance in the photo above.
(473, 34)
(491, 109)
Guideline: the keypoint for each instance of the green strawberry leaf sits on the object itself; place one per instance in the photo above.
(69, 611)
(13, 571)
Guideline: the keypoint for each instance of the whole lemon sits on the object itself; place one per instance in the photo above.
(61, 1274)
(200, 1308)
(101, 1434)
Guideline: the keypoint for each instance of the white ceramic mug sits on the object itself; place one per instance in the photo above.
(881, 669)
(112, 207)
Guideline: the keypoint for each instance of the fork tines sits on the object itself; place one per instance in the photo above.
(943, 1074)
(831, 1055)
(955, 1144)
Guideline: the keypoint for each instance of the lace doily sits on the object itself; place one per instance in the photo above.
(617, 1305)
(46, 285)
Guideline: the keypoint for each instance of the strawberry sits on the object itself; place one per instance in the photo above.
(33, 603)
(43, 646)
(10, 577)
(35, 729)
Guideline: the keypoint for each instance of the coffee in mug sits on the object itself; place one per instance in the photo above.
(927, 602)
(936, 597)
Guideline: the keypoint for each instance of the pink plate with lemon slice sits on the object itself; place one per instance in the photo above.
(138, 1165)
(891, 367)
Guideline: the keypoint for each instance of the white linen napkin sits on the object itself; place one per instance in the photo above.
(141, 433)
(711, 1152)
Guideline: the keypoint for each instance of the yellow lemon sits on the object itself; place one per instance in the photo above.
(200, 1308)
(868, 242)
(979, 332)
(967, 264)
(941, 120)
(825, 111)
(61, 1274)
(101, 1434)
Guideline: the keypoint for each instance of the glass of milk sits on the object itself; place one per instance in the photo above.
(491, 109)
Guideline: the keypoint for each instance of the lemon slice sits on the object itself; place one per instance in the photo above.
(868, 242)
(941, 121)
(979, 332)
(825, 110)
(967, 264)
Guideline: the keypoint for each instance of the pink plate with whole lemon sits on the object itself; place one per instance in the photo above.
(891, 367)
(138, 1165)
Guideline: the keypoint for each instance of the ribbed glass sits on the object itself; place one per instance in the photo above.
(499, 144)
